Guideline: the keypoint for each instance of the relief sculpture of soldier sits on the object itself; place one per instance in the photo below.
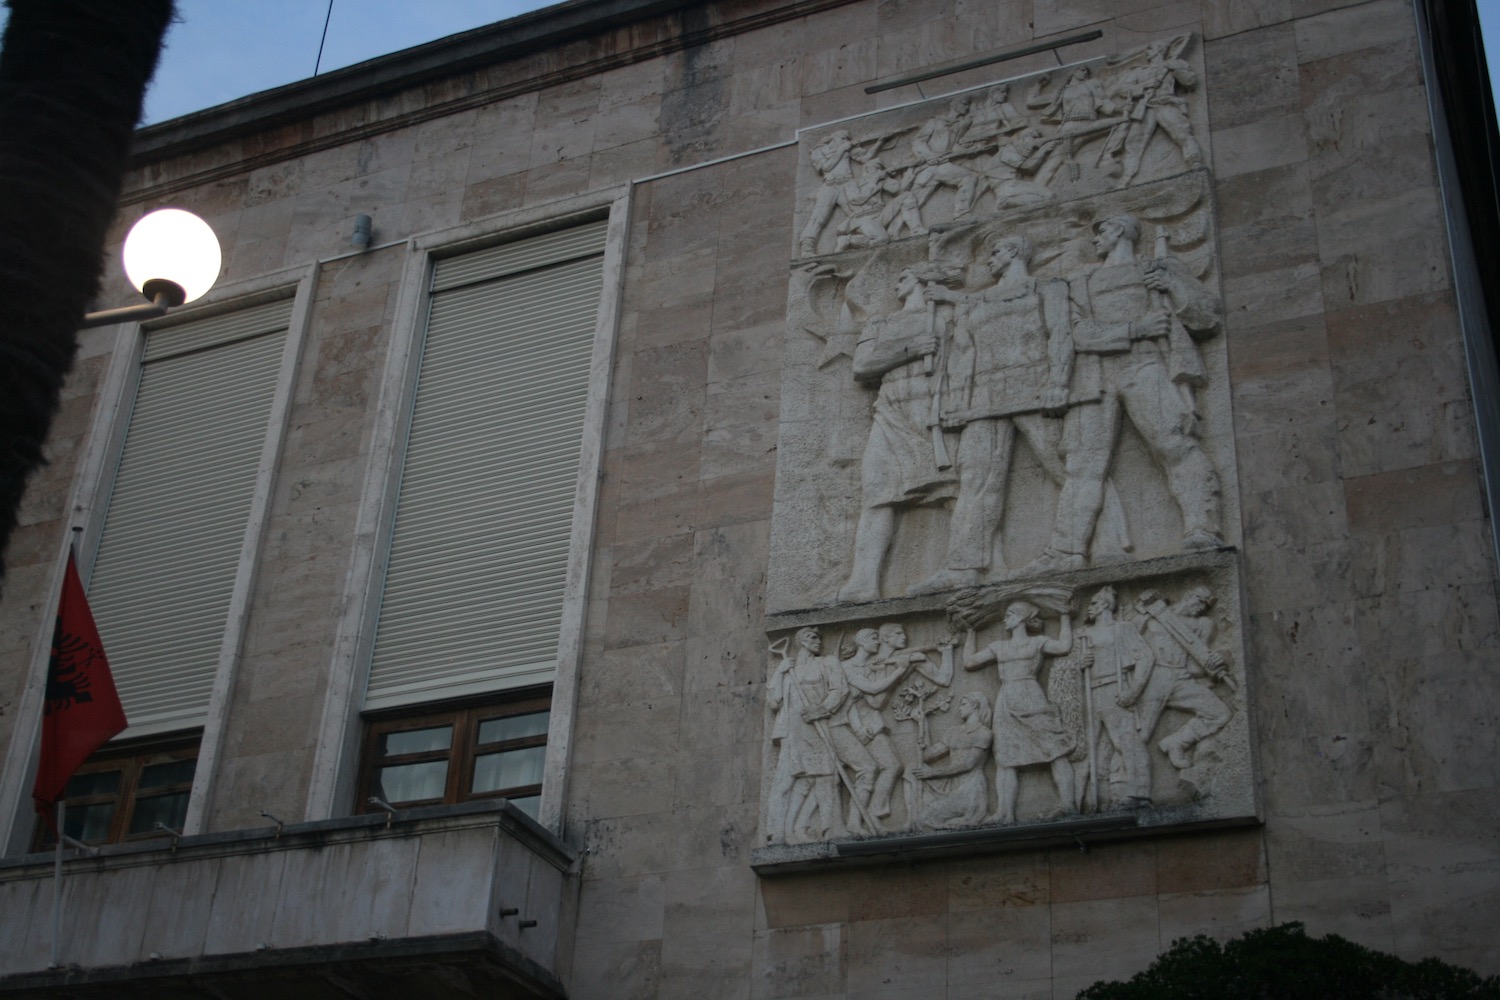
(1133, 331)
(936, 145)
(1184, 667)
(832, 159)
(901, 464)
(1117, 663)
(1011, 351)
(1150, 94)
(1008, 340)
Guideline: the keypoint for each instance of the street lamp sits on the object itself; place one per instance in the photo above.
(172, 257)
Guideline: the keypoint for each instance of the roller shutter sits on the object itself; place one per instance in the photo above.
(179, 507)
(478, 559)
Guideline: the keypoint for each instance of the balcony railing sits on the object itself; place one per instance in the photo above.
(439, 901)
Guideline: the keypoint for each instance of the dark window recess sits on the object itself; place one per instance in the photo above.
(123, 794)
(430, 757)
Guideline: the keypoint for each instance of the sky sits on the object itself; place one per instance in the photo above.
(221, 50)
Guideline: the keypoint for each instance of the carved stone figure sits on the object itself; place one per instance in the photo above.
(936, 144)
(1010, 339)
(1131, 340)
(1027, 728)
(779, 697)
(831, 159)
(1179, 637)
(995, 116)
(1149, 95)
(870, 203)
(957, 793)
(815, 692)
(905, 459)
(1017, 174)
(880, 662)
(1116, 662)
(1080, 108)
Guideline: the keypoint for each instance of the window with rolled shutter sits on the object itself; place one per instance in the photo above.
(474, 580)
(179, 507)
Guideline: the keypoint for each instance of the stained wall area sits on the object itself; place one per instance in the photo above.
(1366, 625)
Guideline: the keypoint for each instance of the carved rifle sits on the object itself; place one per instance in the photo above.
(1190, 643)
(935, 420)
(1090, 738)
(1183, 360)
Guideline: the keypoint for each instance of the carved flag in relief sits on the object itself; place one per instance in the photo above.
(82, 709)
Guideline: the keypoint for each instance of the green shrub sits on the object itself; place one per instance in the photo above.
(1283, 963)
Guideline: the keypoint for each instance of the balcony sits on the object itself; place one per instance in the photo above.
(446, 901)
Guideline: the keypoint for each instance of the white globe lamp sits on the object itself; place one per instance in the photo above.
(172, 256)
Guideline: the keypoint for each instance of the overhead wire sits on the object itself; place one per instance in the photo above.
(323, 41)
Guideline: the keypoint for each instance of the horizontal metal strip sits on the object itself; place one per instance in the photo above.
(520, 255)
(514, 678)
(503, 399)
(429, 593)
(504, 387)
(220, 364)
(218, 394)
(268, 318)
(176, 542)
(492, 565)
(225, 359)
(175, 641)
(132, 619)
(436, 610)
(516, 549)
(470, 619)
(541, 298)
(461, 653)
(516, 336)
(204, 483)
(494, 482)
(512, 332)
(494, 342)
(493, 434)
(431, 654)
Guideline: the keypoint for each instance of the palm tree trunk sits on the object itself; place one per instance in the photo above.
(72, 77)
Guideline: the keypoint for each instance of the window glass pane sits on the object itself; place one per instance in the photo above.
(410, 782)
(528, 805)
(513, 768)
(513, 727)
(96, 783)
(173, 772)
(168, 810)
(416, 741)
(88, 823)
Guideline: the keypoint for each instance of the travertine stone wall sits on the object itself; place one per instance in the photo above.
(1367, 619)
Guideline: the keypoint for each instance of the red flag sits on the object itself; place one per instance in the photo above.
(83, 710)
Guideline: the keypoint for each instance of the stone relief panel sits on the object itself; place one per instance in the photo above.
(1022, 703)
(1036, 391)
(1005, 405)
(1054, 136)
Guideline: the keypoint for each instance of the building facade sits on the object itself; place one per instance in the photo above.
(786, 498)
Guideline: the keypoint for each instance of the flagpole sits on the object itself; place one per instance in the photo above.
(57, 890)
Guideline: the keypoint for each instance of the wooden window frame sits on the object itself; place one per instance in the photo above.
(465, 718)
(131, 760)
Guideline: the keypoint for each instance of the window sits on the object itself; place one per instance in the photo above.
(478, 561)
(458, 754)
(122, 794)
(169, 552)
